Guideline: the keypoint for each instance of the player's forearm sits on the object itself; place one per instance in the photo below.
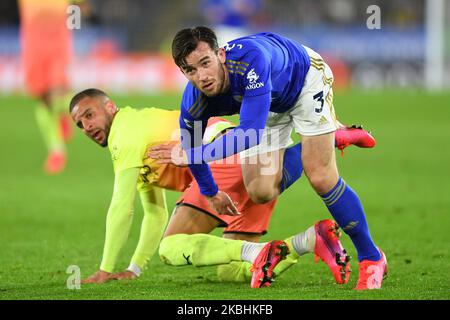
(152, 228)
(203, 175)
(191, 136)
(119, 218)
(253, 117)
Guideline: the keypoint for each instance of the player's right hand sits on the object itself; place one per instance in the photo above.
(223, 204)
(124, 275)
(99, 277)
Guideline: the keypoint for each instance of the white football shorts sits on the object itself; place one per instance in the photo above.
(312, 115)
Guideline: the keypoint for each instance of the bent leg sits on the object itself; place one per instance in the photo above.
(186, 219)
(199, 250)
(319, 163)
(262, 175)
(268, 175)
(185, 241)
(48, 125)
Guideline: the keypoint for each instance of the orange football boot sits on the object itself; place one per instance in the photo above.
(372, 273)
(330, 250)
(354, 135)
(55, 163)
(271, 254)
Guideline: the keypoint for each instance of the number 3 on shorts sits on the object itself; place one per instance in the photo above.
(319, 97)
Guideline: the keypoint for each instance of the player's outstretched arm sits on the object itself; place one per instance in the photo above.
(118, 223)
(152, 228)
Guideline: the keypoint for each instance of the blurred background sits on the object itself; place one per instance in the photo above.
(124, 46)
(391, 62)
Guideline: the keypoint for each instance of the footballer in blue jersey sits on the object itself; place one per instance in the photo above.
(276, 85)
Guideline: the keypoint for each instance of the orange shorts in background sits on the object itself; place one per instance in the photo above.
(46, 44)
(254, 218)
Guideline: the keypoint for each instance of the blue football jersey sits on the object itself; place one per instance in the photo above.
(257, 64)
(266, 73)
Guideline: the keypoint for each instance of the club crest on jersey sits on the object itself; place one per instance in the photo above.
(252, 78)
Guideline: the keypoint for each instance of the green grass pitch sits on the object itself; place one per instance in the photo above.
(48, 223)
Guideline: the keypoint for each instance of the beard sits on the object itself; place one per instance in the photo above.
(106, 130)
(105, 143)
(221, 83)
(223, 80)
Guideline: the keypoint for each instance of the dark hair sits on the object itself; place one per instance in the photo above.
(91, 93)
(186, 40)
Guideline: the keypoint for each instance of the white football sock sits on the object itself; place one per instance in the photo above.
(250, 250)
(304, 242)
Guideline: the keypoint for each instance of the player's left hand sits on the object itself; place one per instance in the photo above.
(171, 153)
(124, 275)
(223, 204)
(99, 277)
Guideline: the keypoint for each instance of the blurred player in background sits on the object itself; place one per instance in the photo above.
(231, 18)
(128, 132)
(46, 52)
(276, 85)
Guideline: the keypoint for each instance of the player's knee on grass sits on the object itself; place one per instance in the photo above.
(170, 252)
(199, 250)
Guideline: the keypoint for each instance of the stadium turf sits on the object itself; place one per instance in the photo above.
(49, 223)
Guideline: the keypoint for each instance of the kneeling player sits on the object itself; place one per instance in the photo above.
(128, 133)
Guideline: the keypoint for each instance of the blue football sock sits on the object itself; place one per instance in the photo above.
(292, 166)
(346, 208)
